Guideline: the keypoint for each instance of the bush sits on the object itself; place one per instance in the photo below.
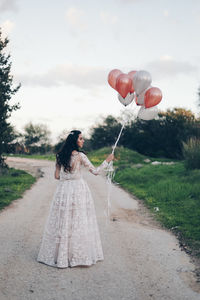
(191, 153)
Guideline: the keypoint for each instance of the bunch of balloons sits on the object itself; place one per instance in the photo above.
(136, 85)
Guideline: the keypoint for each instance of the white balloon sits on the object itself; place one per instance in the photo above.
(140, 97)
(126, 101)
(148, 113)
(141, 81)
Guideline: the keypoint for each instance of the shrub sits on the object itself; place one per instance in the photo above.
(191, 153)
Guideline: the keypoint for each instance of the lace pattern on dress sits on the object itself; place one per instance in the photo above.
(71, 235)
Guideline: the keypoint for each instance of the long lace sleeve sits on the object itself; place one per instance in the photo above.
(87, 163)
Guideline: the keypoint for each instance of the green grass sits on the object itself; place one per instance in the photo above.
(123, 155)
(170, 188)
(191, 152)
(13, 184)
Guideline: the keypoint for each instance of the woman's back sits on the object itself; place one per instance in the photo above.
(75, 172)
(77, 160)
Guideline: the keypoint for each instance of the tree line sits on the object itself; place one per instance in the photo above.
(161, 137)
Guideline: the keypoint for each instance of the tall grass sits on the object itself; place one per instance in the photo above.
(191, 152)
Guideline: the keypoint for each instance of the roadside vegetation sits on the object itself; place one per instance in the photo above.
(13, 184)
(191, 153)
(34, 156)
(170, 191)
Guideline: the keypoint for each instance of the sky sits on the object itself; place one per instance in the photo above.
(62, 52)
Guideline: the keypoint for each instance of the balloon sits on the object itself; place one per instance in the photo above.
(123, 85)
(152, 97)
(140, 97)
(136, 100)
(131, 75)
(112, 77)
(141, 81)
(127, 100)
(148, 113)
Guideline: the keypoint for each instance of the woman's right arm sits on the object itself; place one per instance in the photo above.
(87, 163)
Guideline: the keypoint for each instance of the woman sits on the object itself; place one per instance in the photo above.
(71, 235)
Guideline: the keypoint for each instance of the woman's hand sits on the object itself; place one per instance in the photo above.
(110, 157)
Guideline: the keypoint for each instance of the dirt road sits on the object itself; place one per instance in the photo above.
(141, 260)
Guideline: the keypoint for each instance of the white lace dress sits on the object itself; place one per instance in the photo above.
(71, 235)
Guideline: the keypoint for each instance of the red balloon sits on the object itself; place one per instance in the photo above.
(123, 85)
(131, 75)
(112, 77)
(152, 97)
(136, 101)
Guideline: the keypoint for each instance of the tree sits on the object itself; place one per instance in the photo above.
(7, 90)
(61, 139)
(105, 134)
(162, 136)
(37, 137)
(198, 100)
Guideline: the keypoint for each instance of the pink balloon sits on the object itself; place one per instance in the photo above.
(136, 101)
(123, 85)
(131, 75)
(152, 97)
(112, 77)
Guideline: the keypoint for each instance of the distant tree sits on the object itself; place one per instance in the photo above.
(16, 146)
(105, 134)
(7, 90)
(60, 140)
(179, 114)
(198, 99)
(37, 137)
(162, 136)
(17, 139)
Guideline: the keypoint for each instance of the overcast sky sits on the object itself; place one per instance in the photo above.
(62, 52)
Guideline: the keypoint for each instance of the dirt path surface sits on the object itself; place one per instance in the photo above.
(141, 260)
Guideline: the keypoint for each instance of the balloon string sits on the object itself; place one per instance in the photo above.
(111, 174)
(115, 145)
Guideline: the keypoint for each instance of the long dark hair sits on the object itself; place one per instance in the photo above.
(64, 154)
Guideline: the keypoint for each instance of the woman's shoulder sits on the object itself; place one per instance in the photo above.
(82, 154)
(75, 152)
(78, 153)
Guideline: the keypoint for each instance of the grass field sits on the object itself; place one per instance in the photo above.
(13, 184)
